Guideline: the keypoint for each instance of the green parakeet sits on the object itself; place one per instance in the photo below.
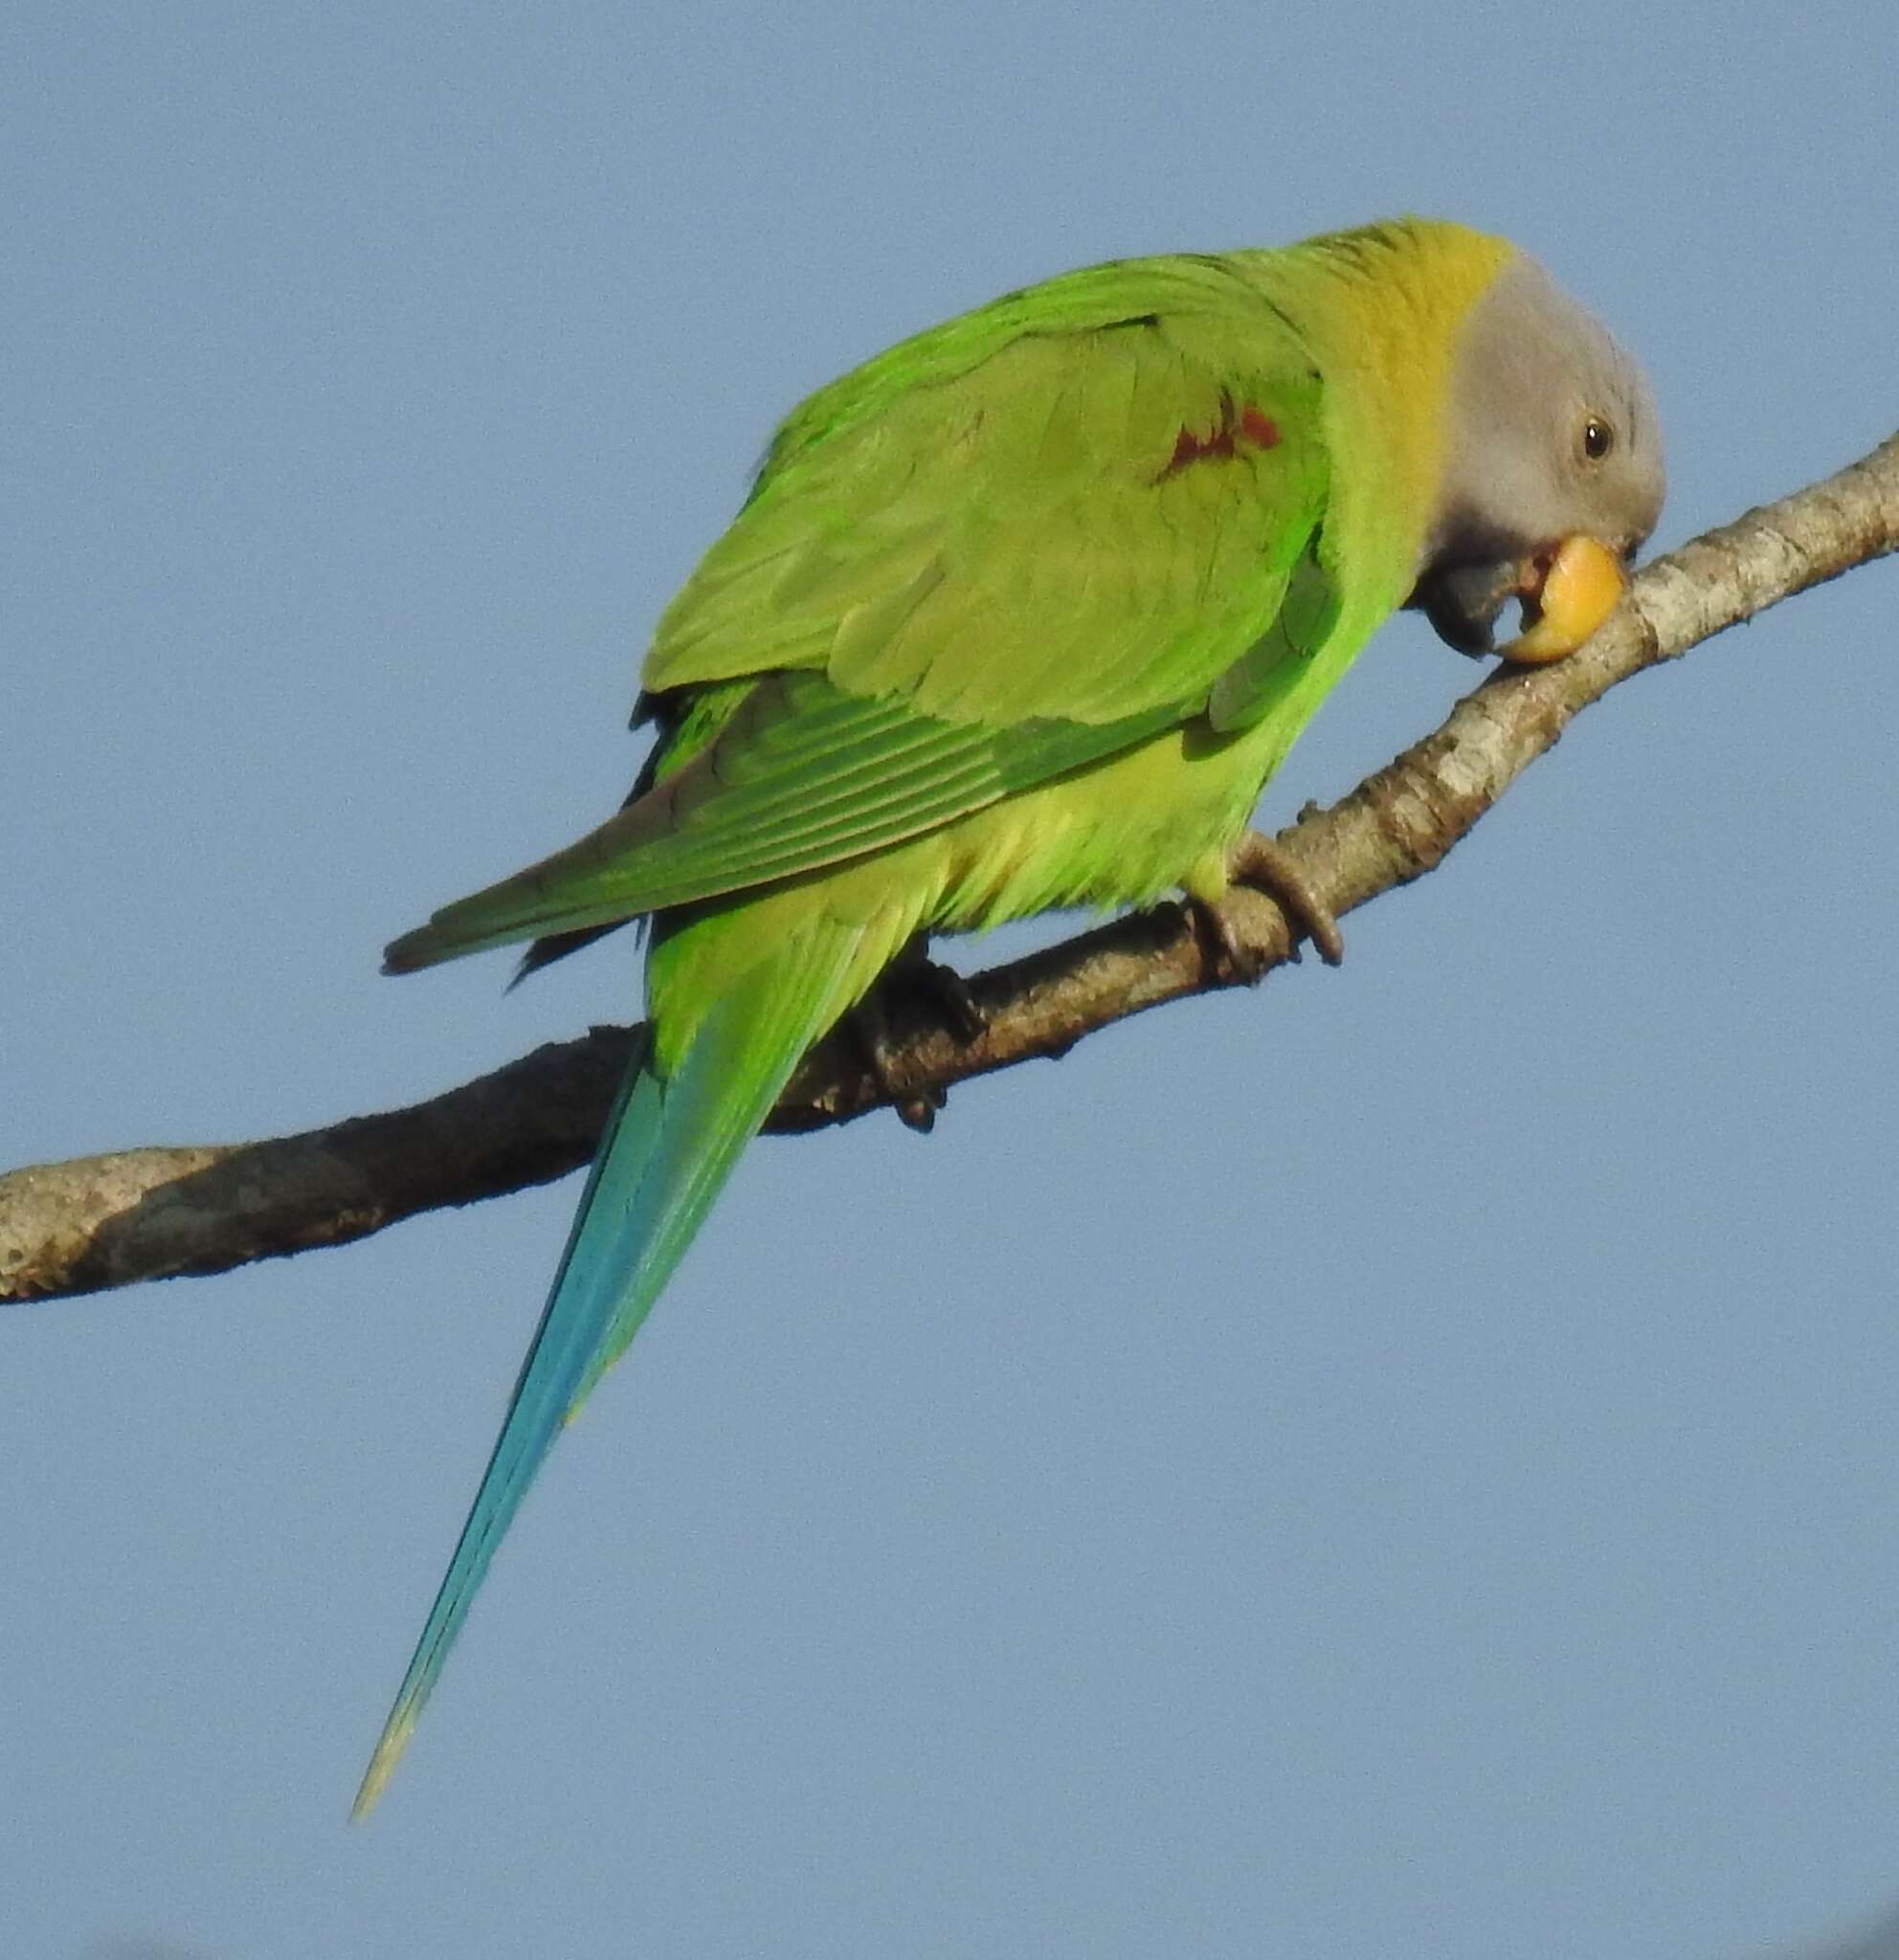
(1023, 614)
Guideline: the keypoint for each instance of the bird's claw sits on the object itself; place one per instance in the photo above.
(914, 972)
(1260, 863)
(1230, 963)
(962, 1012)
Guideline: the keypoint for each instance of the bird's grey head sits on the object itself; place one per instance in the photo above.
(1553, 434)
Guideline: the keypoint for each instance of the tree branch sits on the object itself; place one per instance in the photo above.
(97, 1222)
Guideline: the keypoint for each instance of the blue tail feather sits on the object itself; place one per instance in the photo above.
(668, 1148)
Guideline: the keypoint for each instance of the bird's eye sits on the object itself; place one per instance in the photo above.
(1598, 438)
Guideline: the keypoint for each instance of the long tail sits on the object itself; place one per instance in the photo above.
(667, 1150)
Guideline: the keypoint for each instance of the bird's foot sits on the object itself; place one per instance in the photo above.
(1259, 861)
(948, 992)
(1231, 964)
(914, 972)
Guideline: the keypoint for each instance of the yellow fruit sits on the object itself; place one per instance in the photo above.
(1578, 594)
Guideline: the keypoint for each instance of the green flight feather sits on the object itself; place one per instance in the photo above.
(1307, 617)
(801, 778)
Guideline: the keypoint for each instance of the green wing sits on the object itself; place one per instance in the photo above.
(996, 554)
(1081, 523)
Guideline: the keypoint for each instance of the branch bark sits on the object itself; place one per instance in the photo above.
(97, 1222)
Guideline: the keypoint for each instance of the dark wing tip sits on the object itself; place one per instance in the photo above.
(413, 950)
(557, 945)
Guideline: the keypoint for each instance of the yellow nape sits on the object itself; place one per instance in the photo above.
(1578, 594)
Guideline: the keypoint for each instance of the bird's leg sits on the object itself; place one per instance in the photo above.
(1258, 862)
(870, 1032)
(914, 972)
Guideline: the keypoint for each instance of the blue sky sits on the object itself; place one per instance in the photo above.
(1404, 1461)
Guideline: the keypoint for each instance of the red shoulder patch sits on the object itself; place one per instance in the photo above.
(1257, 427)
(1239, 427)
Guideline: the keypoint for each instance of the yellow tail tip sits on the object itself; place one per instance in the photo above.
(382, 1766)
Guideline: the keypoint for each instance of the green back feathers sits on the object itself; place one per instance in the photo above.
(1015, 546)
(1030, 537)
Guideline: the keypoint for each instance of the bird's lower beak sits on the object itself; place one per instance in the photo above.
(1567, 603)
(1566, 595)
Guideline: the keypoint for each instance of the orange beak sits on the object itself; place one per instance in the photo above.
(1568, 603)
